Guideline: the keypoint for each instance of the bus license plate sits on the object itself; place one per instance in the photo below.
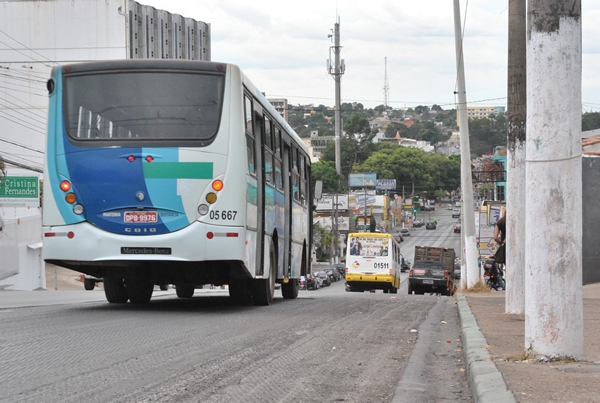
(140, 217)
(427, 281)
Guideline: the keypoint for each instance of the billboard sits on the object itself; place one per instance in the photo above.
(362, 180)
(20, 191)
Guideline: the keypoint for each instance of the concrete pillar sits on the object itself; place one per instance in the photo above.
(553, 295)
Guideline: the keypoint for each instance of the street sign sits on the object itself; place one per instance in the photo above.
(386, 184)
(20, 191)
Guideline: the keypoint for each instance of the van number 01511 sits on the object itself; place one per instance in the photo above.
(222, 215)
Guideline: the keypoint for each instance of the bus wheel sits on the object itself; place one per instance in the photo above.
(239, 292)
(139, 291)
(115, 290)
(164, 287)
(264, 289)
(184, 291)
(394, 290)
(290, 289)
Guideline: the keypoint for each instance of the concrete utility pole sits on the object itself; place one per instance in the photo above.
(336, 71)
(515, 160)
(466, 184)
(553, 232)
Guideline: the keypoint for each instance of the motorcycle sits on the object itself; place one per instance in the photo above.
(491, 273)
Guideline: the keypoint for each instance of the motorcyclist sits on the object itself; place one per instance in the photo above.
(500, 238)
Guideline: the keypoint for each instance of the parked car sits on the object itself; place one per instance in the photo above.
(325, 277)
(405, 232)
(341, 268)
(418, 223)
(333, 274)
(311, 282)
(457, 228)
(455, 213)
(431, 225)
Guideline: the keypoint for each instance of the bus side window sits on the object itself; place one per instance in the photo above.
(302, 178)
(295, 179)
(250, 152)
(249, 134)
(268, 142)
(248, 114)
(278, 173)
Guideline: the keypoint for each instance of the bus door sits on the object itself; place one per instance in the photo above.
(260, 179)
(287, 175)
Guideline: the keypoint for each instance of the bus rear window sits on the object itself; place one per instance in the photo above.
(160, 105)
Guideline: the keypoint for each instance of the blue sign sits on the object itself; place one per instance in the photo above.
(386, 184)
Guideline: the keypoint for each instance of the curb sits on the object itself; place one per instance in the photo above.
(485, 381)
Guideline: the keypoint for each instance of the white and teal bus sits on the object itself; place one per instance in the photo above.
(373, 262)
(174, 172)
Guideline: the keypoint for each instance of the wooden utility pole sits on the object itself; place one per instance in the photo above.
(515, 159)
(553, 227)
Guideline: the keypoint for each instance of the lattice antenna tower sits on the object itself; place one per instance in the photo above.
(386, 87)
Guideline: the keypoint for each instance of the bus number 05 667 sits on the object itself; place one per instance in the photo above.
(223, 215)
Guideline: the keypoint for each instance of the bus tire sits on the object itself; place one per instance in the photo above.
(139, 291)
(239, 292)
(115, 290)
(164, 287)
(290, 289)
(394, 290)
(184, 291)
(264, 289)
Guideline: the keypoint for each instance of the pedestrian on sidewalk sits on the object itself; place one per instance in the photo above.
(500, 255)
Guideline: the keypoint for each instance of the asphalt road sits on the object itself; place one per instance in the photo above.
(326, 346)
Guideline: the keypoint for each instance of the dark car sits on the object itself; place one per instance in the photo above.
(429, 276)
(311, 282)
(430, 225)
(418, 223)
(325, 277)
(457, 228)
(341, 268)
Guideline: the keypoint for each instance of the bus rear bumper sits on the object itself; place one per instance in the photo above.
(84, 242)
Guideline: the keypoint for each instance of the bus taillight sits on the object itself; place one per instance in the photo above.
(71, 198)
(217, 185)
(65, 186)
(149, 158)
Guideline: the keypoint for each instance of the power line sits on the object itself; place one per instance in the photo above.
(19, 165)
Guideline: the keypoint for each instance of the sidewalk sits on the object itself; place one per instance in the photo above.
(494, 346)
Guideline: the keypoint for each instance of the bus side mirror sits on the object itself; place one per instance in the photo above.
(318, 189)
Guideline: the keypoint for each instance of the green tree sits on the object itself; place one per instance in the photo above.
(487, 133)
(590, 121)
(325, 172)
(357, 123)
(395, 127)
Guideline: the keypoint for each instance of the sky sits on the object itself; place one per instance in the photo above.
(283, 47)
